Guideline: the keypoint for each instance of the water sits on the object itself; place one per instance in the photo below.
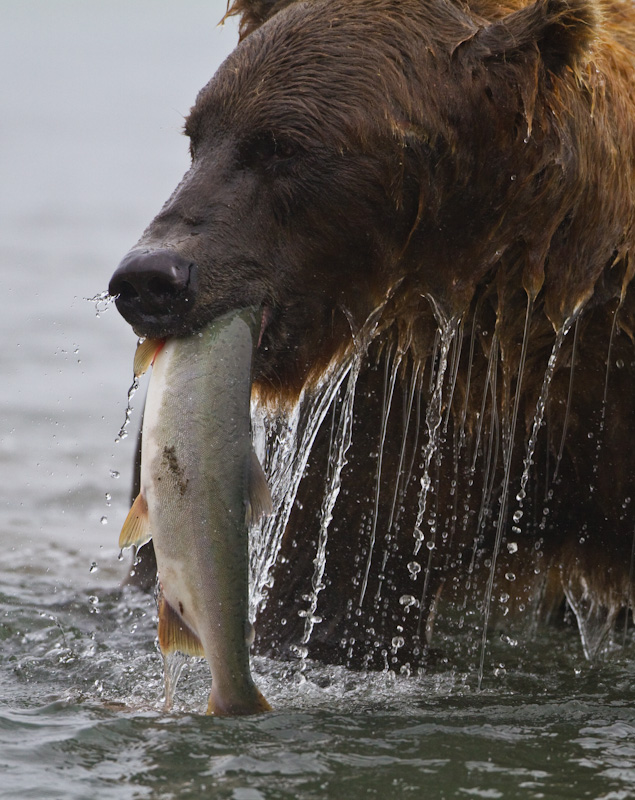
(90, 149)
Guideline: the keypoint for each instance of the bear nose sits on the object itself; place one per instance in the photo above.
(153, 286)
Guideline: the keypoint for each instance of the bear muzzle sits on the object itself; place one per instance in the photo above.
(154, 290)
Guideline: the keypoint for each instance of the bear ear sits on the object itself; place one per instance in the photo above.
(561, 30)
(253, 12)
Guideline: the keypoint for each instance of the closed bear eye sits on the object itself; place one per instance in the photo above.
(266, 149)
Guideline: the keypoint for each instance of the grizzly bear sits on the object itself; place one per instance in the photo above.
(432, 202)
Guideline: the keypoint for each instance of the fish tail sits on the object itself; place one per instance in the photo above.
(256, 704)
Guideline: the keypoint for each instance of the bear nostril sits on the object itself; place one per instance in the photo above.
(153, 285)
(122, 290)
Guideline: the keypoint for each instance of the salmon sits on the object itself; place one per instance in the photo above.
(201, 486)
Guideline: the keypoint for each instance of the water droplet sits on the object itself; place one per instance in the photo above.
(619, 363)
(102, 301)
(108, 499)
(93, 567)
(518, 515)
(299, 651)
(510, 576)
(104, 520)
(512, 547)
(414, 569)
(521, 495)
(114, 474)
(397, 642)
(512, 177)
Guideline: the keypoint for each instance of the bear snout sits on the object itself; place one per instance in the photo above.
(154, 290)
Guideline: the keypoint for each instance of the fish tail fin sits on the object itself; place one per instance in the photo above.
(258, 495)
(145, 354)
(174, 633)
(136, 528)
(255, 704)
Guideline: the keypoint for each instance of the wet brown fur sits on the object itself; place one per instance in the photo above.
(452, 162)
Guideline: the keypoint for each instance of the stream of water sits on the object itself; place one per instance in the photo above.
(90, 148)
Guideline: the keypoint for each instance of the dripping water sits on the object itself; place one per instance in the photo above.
(602, 423)
(629, 590)
(569, 397)
(390, 378)
(283, 443)
(400, 483)
(502, 512)
(542, 404)
(340, 442)
(283, 446)
(468, 382)
(457, 346)
(489, 388)
(434, 416)
(123, 433)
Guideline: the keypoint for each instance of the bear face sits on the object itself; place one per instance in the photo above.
(334, 160)
(444, 193)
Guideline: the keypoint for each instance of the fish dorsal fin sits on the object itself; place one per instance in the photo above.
(258, 495)
(145, 354)
(175, 634)
(136, 528)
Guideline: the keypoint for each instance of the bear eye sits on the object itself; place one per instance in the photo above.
(266, 149)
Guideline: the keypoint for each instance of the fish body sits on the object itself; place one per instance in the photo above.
(197, 477)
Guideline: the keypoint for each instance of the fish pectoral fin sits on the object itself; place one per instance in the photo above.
(175, 634)
(145, 354)
(136, 528)
(258, 503)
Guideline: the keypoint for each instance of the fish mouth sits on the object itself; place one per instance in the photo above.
(160, 330)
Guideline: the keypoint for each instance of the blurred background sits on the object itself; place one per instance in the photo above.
(92, 101)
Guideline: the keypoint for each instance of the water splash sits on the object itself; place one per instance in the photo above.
(595, 618)
(102, 302)
(173, 664)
